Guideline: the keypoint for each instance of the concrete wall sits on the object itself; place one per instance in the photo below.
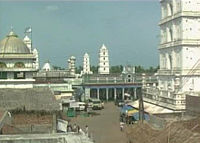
(46, 138)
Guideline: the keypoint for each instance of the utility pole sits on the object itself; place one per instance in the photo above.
(141, 103)
(141, 107)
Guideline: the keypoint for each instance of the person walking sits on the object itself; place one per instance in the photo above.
(121, 126)
(74, 128)
(86, 130)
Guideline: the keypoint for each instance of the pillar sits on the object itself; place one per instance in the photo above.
(115, 93)
(97, 93)
(122, 93)
(135, 93)
(87, 93)
(107, 94)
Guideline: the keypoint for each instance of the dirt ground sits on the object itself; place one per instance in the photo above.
(105, 128)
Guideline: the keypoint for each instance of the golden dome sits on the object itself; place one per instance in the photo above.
(13, 45)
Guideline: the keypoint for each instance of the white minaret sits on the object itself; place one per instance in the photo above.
(103, 61)
(86, 64)
(28, 42)
(179, 52)
(71, 65)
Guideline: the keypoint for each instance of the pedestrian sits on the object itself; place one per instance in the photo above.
(78, 129)
(86, 130)
(121, 126)
(74, 128)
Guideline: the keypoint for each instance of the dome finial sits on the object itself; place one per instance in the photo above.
(12, 33)
(11, 28)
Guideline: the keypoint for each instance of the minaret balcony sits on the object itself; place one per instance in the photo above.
(179, 14)
(186, 42)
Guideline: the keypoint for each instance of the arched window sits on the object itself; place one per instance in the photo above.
(2, 65)
(171, 34)
(170, 61)
(171, 9)
(19, 65)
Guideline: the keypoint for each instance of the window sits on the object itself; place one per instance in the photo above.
(3, 75)
(2, 65)
(171, 9)
(19, 75)
(171, 34)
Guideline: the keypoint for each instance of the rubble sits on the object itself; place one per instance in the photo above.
(176, 132)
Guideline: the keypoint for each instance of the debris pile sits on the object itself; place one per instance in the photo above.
(176, 132)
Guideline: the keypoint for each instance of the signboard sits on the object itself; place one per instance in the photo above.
(62, 125)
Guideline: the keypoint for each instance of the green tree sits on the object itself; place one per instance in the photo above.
(57, 68)
(116, 69)
(94, 69)
(79, 69)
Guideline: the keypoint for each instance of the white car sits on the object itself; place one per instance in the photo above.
(81, 106)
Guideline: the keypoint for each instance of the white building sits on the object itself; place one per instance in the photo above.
(86, 64)
(104, 67)
(47, 67)
(18, 62)
(179, 52)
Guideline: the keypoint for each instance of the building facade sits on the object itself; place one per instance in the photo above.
(179, 54)
(18, 62)
(104, 67)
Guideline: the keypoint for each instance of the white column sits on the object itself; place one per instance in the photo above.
(107, 94)
(97, 93)
(135, 93)
(115, 93)
(87, 93)
(122, 93)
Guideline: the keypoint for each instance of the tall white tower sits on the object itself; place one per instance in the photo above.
(179, 52)
(86, 64)
(103, 61)
(71, 65)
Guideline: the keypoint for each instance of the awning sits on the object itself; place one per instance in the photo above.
(136, 116)
(125, 109)
(131, 112)
(151, 108)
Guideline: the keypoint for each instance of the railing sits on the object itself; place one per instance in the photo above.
(118, 80)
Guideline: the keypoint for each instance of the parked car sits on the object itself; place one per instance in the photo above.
(97, 104)
(81, 106)
(89, 103)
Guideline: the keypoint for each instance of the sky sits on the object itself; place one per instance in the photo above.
(60, 29)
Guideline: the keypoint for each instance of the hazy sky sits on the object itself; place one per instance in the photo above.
(60, 29)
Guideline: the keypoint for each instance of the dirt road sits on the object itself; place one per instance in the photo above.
(104, 127)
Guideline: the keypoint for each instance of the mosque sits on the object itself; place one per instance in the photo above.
(18, 62)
